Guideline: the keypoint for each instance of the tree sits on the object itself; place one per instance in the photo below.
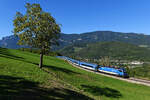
(105, 61)
(37, 29)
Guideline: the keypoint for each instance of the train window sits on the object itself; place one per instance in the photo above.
(87, 65)
(120, 70)
(75, 62)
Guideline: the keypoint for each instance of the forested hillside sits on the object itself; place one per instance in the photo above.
(115, 50)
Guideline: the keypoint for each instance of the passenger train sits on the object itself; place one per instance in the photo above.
(104, 69)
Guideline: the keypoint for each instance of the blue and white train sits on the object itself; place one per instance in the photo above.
(104, 69)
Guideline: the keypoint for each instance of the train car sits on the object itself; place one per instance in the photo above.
(76, 62)
(88, 65)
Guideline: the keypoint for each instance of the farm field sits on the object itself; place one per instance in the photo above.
(21, 79)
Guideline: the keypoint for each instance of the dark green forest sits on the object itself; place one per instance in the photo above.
(115, 50)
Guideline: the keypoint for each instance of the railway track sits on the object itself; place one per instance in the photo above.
(131, 79)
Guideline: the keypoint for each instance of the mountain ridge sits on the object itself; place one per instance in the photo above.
(87, 37)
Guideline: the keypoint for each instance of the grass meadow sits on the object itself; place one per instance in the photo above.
(21, 79)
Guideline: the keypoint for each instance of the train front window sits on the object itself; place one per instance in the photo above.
(120, 70)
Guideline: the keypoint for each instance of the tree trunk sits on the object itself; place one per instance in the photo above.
(41, 60)
(31, 49)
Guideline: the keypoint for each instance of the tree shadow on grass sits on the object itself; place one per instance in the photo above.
(4, 52)
(59, 69)
(98, 91)
(17, 88)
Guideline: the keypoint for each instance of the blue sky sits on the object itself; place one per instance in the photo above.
(78, 16)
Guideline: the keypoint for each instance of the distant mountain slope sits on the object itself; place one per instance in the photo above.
(89, 37)
(116, 50)
(9, 42)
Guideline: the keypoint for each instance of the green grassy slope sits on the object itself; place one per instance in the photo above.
(20, 78)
